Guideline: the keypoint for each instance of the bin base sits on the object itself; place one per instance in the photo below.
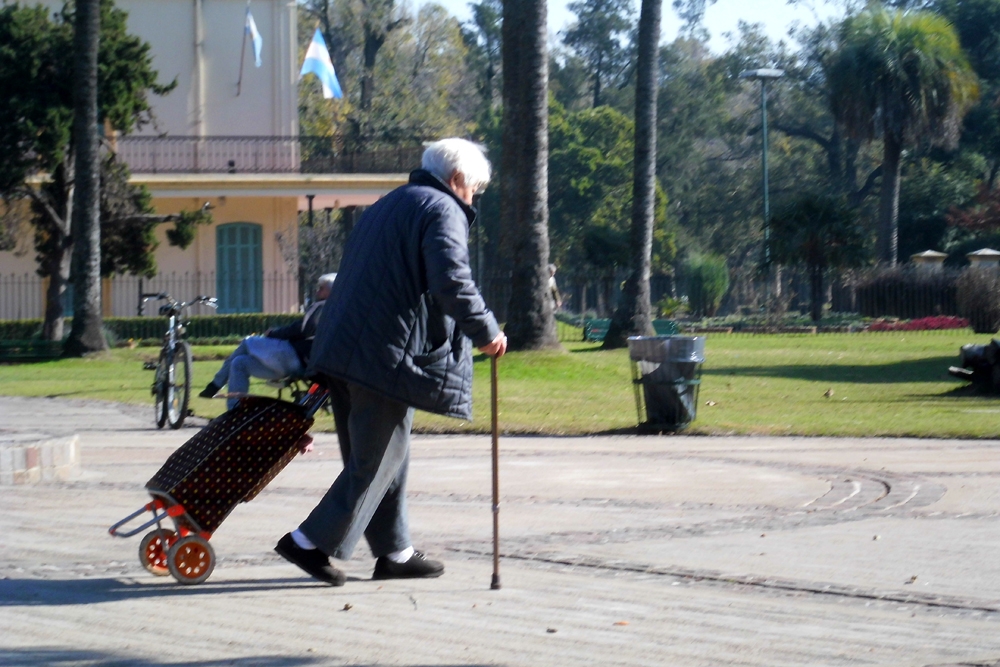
(648, 428)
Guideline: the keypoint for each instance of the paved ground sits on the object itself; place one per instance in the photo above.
(616, 551)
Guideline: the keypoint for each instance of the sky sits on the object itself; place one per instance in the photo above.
(720, 18)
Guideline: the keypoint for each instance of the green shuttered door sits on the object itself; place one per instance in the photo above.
(239, 269)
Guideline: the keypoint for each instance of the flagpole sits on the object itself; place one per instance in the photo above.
(243, 53)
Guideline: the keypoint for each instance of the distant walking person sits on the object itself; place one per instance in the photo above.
(554, 289)
(279, 353)
(396, 336)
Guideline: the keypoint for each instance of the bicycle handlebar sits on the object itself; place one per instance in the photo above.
(209, 301)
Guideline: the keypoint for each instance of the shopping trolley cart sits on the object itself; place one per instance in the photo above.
(228, 462)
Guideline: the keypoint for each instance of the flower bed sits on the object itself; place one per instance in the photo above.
(922, 324)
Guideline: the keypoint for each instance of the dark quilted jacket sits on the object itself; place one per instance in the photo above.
(404, 306)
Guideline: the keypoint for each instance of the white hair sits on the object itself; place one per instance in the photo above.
(444, 157)
(326, 280)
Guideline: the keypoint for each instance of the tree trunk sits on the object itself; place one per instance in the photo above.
(633, 316)
(887, 242)
(531, 323)
(86, 334)
(56, 263)
(816, 295)
(56, 266)
(374, 39)
(597, 83)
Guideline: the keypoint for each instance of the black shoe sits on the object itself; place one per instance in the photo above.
(210, 391)
(312, 561)
(418, 567)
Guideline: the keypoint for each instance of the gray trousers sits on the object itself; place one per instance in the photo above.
(369, 496)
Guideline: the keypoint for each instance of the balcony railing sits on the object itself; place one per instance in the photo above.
(264, 155)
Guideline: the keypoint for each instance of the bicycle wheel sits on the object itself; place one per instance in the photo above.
(179, 385)
(160, 382)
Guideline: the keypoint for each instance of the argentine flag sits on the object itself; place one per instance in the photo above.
(258, 42)
(318, 62)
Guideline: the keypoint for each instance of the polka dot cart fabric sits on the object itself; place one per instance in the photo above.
(231, 460)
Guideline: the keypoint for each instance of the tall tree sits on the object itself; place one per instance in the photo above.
(978, 25)
(691, 12)
(35, 122)
(86, 334)
(524, 174)
(633, 316)
(378, 20)
(483, 34)
(356, 32)
(413, 87)
(597, 38)
(819, 232)
(901, 77)
(36, 136)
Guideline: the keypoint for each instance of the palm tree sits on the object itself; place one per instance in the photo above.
(86, 334)
(900, 76)
(531, 321)
(819, 232)
(596, 38)
(633, 316)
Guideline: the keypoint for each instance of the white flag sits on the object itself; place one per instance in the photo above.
(258, 42)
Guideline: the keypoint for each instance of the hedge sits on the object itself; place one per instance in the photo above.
(153, 328)
(979, 298)
(907, 293)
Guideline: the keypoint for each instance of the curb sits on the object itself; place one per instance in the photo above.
(47, 461)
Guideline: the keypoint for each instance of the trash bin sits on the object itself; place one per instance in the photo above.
(668, 370)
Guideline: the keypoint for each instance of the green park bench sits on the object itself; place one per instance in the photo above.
(595, 330)
(30, 350)
(666, 328)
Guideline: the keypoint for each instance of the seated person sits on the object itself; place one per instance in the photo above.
(279, 353)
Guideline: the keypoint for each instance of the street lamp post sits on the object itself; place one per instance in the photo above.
(764, 75)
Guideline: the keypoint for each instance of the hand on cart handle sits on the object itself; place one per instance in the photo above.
(305, 444)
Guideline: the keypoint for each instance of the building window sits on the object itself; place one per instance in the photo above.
(239, 269)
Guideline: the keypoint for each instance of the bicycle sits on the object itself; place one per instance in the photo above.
(172, 382)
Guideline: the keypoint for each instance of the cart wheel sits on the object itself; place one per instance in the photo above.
(153, 551)
(191, 559)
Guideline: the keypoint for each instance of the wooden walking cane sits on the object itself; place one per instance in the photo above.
(495, 583)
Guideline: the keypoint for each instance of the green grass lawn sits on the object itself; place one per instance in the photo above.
(888, 384)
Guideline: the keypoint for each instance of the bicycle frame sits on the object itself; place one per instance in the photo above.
(165, 384)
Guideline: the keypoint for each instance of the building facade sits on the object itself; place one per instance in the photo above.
(227, 135)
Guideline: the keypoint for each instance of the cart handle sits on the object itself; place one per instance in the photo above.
(148, 507)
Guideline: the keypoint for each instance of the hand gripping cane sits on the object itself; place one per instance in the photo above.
(495, 583)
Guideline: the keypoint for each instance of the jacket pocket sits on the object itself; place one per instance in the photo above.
(434, 356)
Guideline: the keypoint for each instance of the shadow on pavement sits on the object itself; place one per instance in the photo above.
(56, 592)
(32, 657)
(933, 369)
(35, 657)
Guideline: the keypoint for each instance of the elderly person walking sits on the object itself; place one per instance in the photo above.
(397, 335)
(279, 353)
